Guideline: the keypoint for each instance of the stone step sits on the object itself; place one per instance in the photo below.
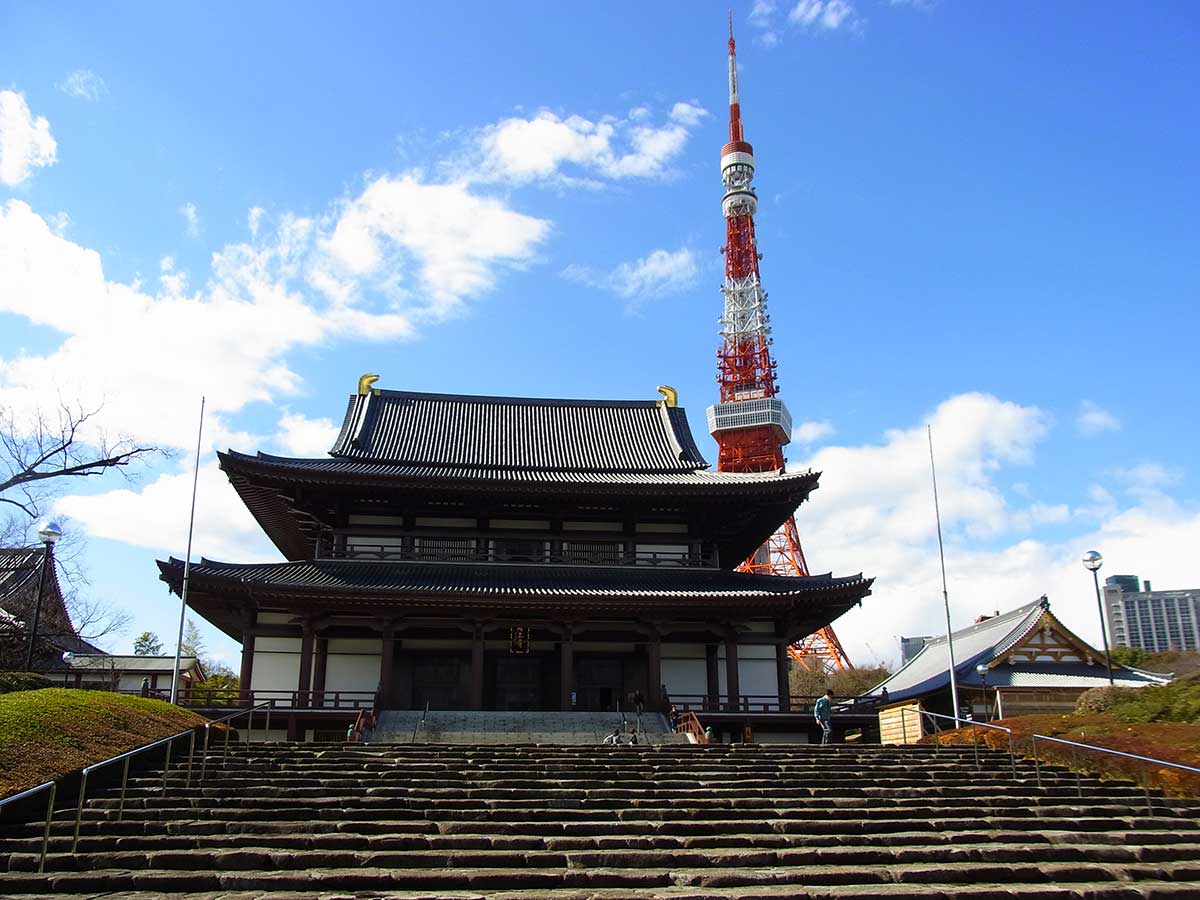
(252, 857)
(426, 836)
(756, 870)
(1143, 890)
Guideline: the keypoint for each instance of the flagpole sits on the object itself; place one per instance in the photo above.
(945, 593)
(187, 563)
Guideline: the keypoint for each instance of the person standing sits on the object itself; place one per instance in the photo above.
(823, 712)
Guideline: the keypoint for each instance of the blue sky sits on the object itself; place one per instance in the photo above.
(984, 217)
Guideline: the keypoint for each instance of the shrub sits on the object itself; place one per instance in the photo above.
(11, 682)
(1102, 699)
(1176, 702)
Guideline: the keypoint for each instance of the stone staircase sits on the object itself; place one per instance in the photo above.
(485, 727)
(301, 821)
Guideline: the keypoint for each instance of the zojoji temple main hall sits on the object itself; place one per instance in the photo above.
(499, 553)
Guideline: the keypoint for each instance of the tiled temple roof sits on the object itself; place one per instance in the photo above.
(509, 433)
(445, 588)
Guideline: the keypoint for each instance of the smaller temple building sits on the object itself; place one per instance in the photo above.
(1019, 663)
(468, 552)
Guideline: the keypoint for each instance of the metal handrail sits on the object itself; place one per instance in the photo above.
(420, 726)
(1011, 755)
(127, 756)
(266, 704)
(1075, 745)
(53, 786)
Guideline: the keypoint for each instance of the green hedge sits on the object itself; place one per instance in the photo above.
(1175, 702)
(11, 682)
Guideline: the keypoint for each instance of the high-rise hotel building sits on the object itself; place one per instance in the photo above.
(1152, 620)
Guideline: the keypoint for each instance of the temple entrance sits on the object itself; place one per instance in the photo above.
(518, 683)
(604, 683)
(440, 679)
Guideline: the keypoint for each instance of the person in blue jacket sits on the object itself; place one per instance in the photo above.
(822, 712)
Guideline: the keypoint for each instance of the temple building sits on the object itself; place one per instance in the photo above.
(468, 552)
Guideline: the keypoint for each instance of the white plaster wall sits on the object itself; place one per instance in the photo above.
(277, 644)
(756, 678)
(352, 672)
(275, 671)
(356, 645)
(684, 676)
(683, 651)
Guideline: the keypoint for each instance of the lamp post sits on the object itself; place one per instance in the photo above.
(981, 670)
(1092, 561)
(49, 533)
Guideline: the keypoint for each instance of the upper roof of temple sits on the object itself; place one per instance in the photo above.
(511, 433)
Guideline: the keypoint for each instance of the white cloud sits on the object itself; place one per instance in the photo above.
(454, 238)
(301, 436)
(25, 142)
(549, 147)
(827, 15)
(142, 356)
(874, 512)
(811, 432)
(156, 516)
(191, 219)
(1093, 419)
(1147, 478)
(84, 84)
(762, 12)
(254, 219)
(658, 273)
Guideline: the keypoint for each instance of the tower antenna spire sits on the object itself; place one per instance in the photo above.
(735, 109)
(751, 423)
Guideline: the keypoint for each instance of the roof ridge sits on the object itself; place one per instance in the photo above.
(518, 401)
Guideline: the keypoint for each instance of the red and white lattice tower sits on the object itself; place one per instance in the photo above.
(751, 424)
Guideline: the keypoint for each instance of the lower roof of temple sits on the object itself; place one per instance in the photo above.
(380, 587)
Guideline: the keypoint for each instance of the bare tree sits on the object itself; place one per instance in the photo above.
(38, 453)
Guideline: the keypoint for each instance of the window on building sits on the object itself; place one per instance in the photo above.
(518, 550)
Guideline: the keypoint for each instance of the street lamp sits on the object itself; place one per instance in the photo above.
(49, 533)
(1092, 561)
(981, 670)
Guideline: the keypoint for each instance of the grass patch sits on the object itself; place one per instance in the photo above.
(1176, 742)
(50, 733)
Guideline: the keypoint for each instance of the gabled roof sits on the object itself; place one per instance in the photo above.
(132, 663)
(989, 642)
(512, 433)
(20, 575)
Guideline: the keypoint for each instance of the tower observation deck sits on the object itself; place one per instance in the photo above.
(751, 424)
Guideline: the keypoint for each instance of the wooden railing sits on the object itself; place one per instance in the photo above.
(764, 703)
(464, 550)
(211, 698)
(687, 723)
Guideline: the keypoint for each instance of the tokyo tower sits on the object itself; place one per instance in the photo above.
(751, 424)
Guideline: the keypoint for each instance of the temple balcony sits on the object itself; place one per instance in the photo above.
(518, 550)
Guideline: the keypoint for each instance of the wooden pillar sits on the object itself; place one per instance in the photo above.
(567, 654)
(386, 666)
(247, 671)
(654, 700)
(306, 662)
(713, 701)
(476, 701)
(781, 675)
(731, 674)
(319, 667)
